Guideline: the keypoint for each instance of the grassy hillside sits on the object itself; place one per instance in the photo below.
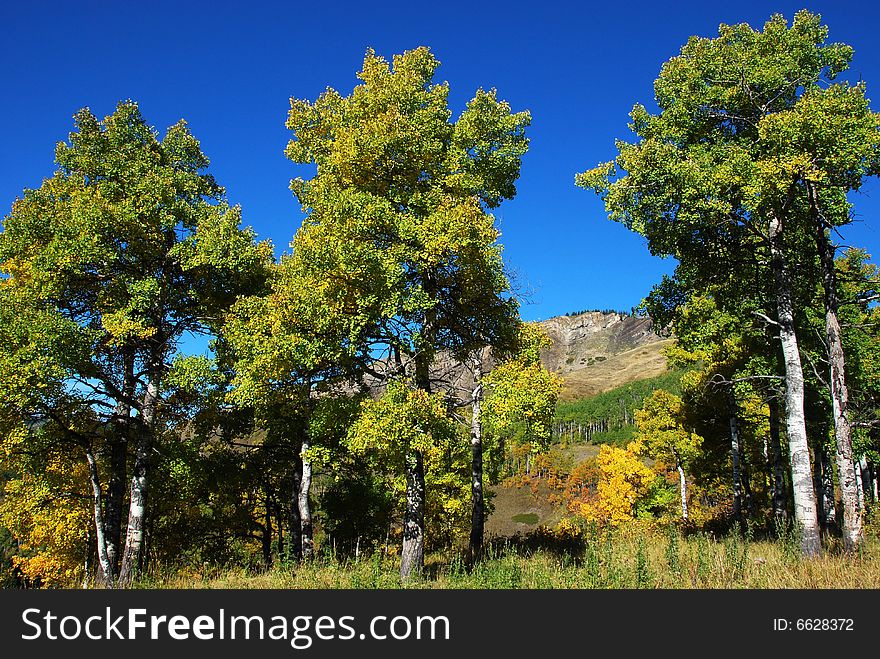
(615, 370)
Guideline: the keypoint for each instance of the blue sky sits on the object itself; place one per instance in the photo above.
(230, 69)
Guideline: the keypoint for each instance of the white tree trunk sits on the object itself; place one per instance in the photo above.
(134, 538)
(305, 509)
(682, 486)
(735, 463)
(852, 519)
(799, 452)
(107, 575)
(412, 557)
(829, 511)
(477, 504)
(860, 487)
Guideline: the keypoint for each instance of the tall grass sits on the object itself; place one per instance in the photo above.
(629, 559)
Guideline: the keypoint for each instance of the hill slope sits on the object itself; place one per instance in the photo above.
(595, 352)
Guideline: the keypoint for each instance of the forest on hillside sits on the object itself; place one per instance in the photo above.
(367, 395)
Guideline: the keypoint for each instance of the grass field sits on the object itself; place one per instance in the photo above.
(633, 559)
(616, 370)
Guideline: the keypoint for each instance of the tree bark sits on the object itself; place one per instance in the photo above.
(412, 559)
(852, 520)
(860, 487)
(746, 477)
(865, 470)
(823, 480)
(796, 428)
(478, 507)
(734, 459)
(828, 503)
(134, 539)
(119, 464)
(267, 530)
(107, 577)
(305, 510)
(294, 534)
(682, 486)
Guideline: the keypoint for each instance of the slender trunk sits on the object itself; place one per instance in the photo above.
(134, 539)
(305, 510)
(874, 485)
(115, 497)
(828, 489)
(118, 464)
(796, 427)
(294, 532)
(734, 459)
(746, 477)
(412, 559)
(780, 498)
(818, 484)
(477, 511)
(682, 486)
(865, 468)
(860, 487)
(852, 519)
(824, 480)
(87, 562)
(279, 524)
(107, 576)
(267, 530)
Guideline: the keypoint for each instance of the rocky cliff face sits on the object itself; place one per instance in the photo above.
(596, 351)
(581, 341)
(592, 351)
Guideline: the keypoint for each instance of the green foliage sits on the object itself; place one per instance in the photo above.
(402, 419)
(523, 396)
(398, 249)
(615, 437)
(660, 501)
(127, 248)
(406, 419)
(747, 120)
(663, 431)
(616, 407)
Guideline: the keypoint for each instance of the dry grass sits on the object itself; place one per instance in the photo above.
(637, 559)
(640, 363)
